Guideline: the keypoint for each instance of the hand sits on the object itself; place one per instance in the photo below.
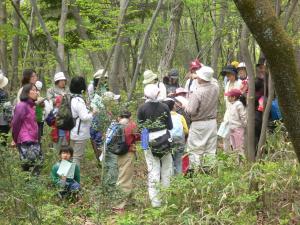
(63, 178)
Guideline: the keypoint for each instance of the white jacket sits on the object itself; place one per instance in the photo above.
(237, 115)
(80, 111)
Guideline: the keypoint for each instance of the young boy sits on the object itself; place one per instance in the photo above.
(179, 132)
(68, 185)
(125, 162)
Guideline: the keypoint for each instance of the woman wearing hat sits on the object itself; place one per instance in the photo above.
(191, 84)
(5, 107)
(173, 81)
(60, 88)
(152, 78)
(233, 82)
(98, 81)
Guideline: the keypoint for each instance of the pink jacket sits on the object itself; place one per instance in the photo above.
(24, 125)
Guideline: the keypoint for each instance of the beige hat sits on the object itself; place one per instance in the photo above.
(59, 76)
(205, 73)
(98, 74)
(149, 76)
(3, 80)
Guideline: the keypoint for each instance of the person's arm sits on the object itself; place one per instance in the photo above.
(77, 174)
(184, 124)
(18, 118)
(243, 114)
(193, 105)
(83, 112)
(54, 176)
(169, 120)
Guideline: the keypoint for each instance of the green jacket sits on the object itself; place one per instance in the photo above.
(56, 178)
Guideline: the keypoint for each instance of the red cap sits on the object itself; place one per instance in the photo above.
(195, 65)
(234, 93)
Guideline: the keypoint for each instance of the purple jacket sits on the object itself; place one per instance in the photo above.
(24, 125)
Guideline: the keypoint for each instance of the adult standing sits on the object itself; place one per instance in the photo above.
(191, 84)
(5, 107)
(156, 117)
(173, 81)
(29, 77)
(25, 130)
(202, 107)
(99, 81)
(152, 78)
(54, 98)
(80, 134)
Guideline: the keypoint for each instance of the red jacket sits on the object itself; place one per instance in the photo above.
(131, 135)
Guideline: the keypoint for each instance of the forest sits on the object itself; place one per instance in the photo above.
(228, 71)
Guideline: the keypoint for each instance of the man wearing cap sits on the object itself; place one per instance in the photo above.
(202, 107)
(60, 82)
(152, 78)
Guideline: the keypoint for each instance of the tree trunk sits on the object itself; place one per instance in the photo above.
(3, 42)
(61, 33)
(28, 39)
(291, 8)
(82, 31)
(115, 77)
(15, 48)
(217, 30)
(169, 51)
(278, 49)
(251, 94)
(49, 37)
(143, 48)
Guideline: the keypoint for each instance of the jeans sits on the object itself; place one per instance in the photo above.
(178, 150)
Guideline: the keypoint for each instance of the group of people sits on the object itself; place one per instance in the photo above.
(172, 121)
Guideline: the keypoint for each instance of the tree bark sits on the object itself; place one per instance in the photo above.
(15, 48)
(28, 39)
(289, 13)
(61, 33)
(115, 76)
(82, 31)
(217, 30)
(251, 94)
(143, 48)
(259, 15)
(169, 51)
(49, 37)
(3, 42)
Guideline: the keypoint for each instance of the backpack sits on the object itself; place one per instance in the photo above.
(64, 117)
(115, 140)
(177, 131)
(275, 110)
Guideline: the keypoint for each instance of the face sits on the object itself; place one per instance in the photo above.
(173, 80)
(65, 156)
(231, 98)
(261, 71)
(230, 77)
(33, 78)
(61, 84)
(242, 73)
(33, 93)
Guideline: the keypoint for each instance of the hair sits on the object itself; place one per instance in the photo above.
(78, 85)
(170, 104)
(25, 92)
(125, 114)
(56, 82)
(27, 73)
(66, 149)
(96, 81)
(243, 99)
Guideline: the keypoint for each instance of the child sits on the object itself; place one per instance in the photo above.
(68, 185)
(178, 133)
(125, 162)
(237, 120)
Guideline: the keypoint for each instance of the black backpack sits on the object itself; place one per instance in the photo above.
(64, 117)
(115, 141)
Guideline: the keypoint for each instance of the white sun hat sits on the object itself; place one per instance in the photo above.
(59, 76)
(151, 91)
(3, 80)
(99, 73)
(149, 76)
(241, 65)
(205, 73)
(39, 85)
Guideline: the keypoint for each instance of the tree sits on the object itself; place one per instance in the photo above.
(169, 51)
(260, 17)
(15, 48)
(3, 42)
